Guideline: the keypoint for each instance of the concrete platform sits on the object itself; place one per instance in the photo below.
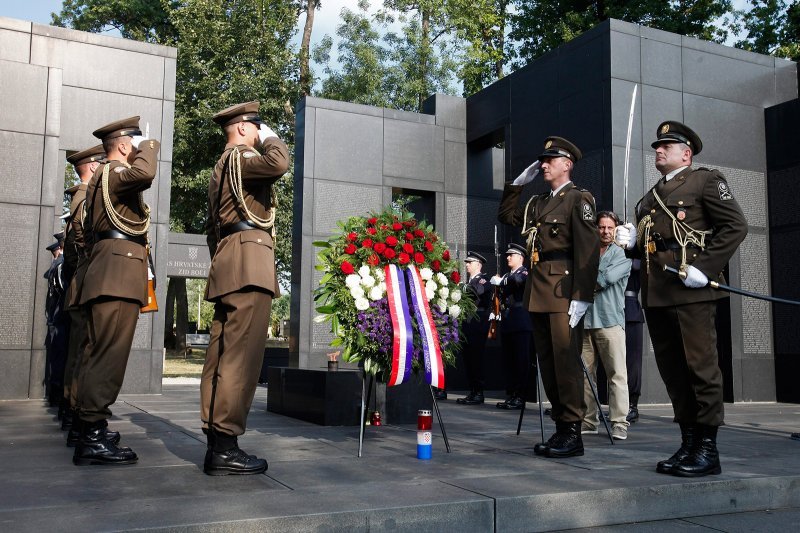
(491, 481)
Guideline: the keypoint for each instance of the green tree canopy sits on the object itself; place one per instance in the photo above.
(771, 27)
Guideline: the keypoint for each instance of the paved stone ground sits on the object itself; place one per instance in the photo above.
(491, 481)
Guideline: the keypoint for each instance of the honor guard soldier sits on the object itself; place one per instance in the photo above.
(75, 260)
(564, 252)
(476, 329)
(115, 230)
(515, 327)
(57, 324)
(241, 281)
(691, 221)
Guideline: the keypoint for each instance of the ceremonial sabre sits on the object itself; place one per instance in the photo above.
(628, 154)
(735, 290)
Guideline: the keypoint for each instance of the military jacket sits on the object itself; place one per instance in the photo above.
(246, 258)
(702, 199)
(567, 245)
(512, 296)
(74, 245)
(117, 267)
(481, 290)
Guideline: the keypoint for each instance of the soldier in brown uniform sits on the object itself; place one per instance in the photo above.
(563, 247)
(241, 282)
(75, 260)
(689, 220)
(116, 225)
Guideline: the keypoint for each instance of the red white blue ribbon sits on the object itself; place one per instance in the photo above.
(432, 352)
(402, 334)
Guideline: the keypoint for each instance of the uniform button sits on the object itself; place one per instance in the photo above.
(129, 254)
(653, 211)
(538, 224)
(566, 272)
(680, 202)
(555, 220)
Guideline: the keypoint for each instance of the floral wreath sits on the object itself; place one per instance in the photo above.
(391, 292)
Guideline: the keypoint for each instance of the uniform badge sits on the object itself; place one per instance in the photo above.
(248, 155)
(588, 212)
(119, 169)
(548, 144)
(554, 231)
(724, 191)
(681, 214)
(664, 129)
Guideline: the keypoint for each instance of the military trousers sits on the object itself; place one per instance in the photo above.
(685, 345)
(606, 345)
(78, 338)
(559, 349)
(233, 359)
(517, 360)
(110, 328)
(634, 344)
(475, 333)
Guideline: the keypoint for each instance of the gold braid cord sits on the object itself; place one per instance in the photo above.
(684, 233)
(119, 221)
(643, 238)
(237, 189)
(531, 232)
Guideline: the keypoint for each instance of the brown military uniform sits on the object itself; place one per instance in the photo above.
(563, 268)
(118, 273)
(241, 282)
(681, 320)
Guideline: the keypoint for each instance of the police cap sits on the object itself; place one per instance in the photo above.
(127, 126)
(475, 256)
(95, 153)
(247, 112)
(560, 147)
(515, 248)
(675, 132)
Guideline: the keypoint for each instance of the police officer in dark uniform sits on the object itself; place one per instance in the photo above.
(690, 221)
(57, 325)
(515, 327)
(476, 329)
(634, 340)
(564, 247)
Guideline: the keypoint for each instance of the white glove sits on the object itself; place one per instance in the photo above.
(528, 174)
(576, 311)
(625, 236)
(695, 279)
(136, 140)
(265, 132)
(496, 280)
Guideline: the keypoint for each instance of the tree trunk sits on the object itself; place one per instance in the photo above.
(169, 315)
(181, 312)
(305, 52)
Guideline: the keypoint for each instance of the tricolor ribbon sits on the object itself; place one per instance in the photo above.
(434, 370)
(403, 335)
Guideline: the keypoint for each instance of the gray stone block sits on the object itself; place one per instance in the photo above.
(455, 167)
(391, 182)
(55, 33)
(337, 201)
(657, 106)
(347, 107)
(354, 157)
(725, 78)
(307, 219)
(700, 45)
(661, 64)
(455, 135)
(23, 91)
(408, 116)
(137, 373)
(451, 111)
(161, 191)
(170, 76)
(757, 377)
(36, 375)
(15, 45)
(581, 66)
(616, 25)
(621, 92)
(580, 122)
(14, 374)
(654, 34)
(52, 174)
(786, 80)
(166, 131)
(413, 150)
(8, 23)
(53, 120)
(626, 55)
(22, 178)
(308, 117)
(635, 183)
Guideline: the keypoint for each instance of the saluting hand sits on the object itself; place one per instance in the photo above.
(528, 174)
(136, 140)
(265, 132)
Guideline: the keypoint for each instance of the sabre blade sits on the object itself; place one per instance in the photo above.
(628, 153)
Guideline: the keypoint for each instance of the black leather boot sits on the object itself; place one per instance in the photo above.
(473, 398)
(513, 403)
(541, 448)
(67, 418)
(703, 460)
(74, 434)
(224, 457)
(568, 442)
(94, 447)
(633, 409)
(687, 441)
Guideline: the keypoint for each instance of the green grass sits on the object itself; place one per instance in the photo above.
(177, 365)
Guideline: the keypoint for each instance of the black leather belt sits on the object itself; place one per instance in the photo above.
(554, 256)
(114, 234)
(244, 225)
(515, 304)
(631, 294)
(672, 244)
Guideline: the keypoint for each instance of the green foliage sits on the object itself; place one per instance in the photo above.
(281, 309)
(195, 291)
(770, 27)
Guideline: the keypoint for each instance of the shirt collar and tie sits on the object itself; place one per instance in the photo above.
(674, 173)
(555, 192)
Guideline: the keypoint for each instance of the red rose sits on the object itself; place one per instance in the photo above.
(384, 227)
(403, 258)
(350, 249)
(372, 231)
(446, 255)
(347, 268)
(397, 226)
(391, 240)
(366, 243)
(428, 246)
(373, 260)
(352, 236)
(419, 233)
(409, 223)
(379, 247)
(436, 264)
(409, 236)
(389, 253)
(455, 276)
(372, 221)
(407, 248)
(418, 257)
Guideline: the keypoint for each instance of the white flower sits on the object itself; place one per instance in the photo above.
(455, 296)
(357, 292)
(375, 293)
(454, 310)
(444, 292)
(431, 286)
(442, 305)
(362, 304)
(364, 271)
(382, 285)
(426, 274)
(441, 278)
(353, 280)
(368, 281)
(429, 294)
(379, 274)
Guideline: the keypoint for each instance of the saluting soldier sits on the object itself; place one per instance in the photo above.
(85, 163)
(564, 249)
(115, 229)
(242, 281)
(476, 329)
(515, 327)
(691, 221)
